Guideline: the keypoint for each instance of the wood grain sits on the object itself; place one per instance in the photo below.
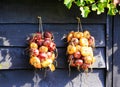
(109, 52)
(59, 78)
(26, 11)
(116, 51)
(13, 58)
(18, 19)
(16, 34)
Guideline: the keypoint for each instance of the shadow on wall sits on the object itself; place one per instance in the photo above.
(32, 78)
(59, 78)
(116, 64)
(116, 51)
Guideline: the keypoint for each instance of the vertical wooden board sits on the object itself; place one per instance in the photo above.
(116, 51)
(59, 78)
(16, 34)
(109, 54)
(26, 11)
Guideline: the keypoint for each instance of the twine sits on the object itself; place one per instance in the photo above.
(40, 25)
(79, 24)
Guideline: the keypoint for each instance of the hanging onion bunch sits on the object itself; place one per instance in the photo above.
(80, 49)
(42, 50)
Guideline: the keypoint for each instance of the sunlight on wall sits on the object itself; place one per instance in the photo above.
(36, 79)
(100, 62)
(84, 80)
(27, 85)
(115, 47)
(5, 60)
(5, 41)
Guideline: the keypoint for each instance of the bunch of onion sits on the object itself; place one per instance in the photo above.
(42, 50)
(80, 50)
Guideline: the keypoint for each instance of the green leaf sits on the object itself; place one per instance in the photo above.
(112, 10)
(94, 7)
(108, 1)
(80, 2)
(86, 6)
(68, 3)
(103, 1)
(85, 11)
(101, 7)
(89, 1)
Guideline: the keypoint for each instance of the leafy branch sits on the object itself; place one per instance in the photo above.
(86, 6)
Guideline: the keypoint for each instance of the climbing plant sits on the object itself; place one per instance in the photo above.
(87, 6)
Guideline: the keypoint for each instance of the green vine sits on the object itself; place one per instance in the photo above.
(87, 6)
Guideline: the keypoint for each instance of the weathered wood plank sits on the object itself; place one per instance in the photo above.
(109, 51)
(16, 34)
(13, 58)
(59, 78)
(26, 11)
(116, 51)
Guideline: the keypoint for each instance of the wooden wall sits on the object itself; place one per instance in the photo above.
(18, 19)
(116, 52)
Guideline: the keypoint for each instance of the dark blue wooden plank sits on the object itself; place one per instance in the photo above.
(16, 34)
(109, 53)
(26, 11)
(13, 58)
(59, 78)
(116, 51)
